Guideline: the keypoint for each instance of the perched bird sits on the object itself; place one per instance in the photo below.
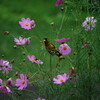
(52, 49)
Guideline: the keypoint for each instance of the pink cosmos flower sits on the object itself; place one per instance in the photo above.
(40, 99)
(38, 61)
(6, 69)
(58, 2)
(5, 66)
(64, 49)
(22, 82)
(4, 62)
(62, 40)
(4, 88)
(20, 41)
(61, 78)
(27, 23)
(31, 58)
(89, 23)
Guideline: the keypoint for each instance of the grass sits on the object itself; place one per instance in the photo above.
(85, 83)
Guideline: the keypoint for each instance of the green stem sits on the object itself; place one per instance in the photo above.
(62, 21)
(50, 66)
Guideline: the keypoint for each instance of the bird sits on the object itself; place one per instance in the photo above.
(52, 49)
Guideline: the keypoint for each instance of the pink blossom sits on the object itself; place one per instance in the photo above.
(27, 23)
(4, 62)
(32, 58)
(38, 61)
(22, 82)
(5, 89)
(61, 78)
(5, 66)
(40, 99)
(89, 23)
(58, 2)
(64, 49)
(62, 40)
(6, 69)
(20, 41)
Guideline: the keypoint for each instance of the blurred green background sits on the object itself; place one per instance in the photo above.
(43, 12)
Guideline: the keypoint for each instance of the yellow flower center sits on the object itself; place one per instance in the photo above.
(20, 41)
(26, 24)
(23, 82)
(33, 60)
(61, 80)
(64, 48)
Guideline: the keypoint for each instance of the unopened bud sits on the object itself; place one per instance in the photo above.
(62, 8)
(23, 53)
(2, 56)
(52, 23)
(6, 33)
(66, 2)
(24, 60)
(72, 72)
(9, 82)
(75, 53)
(14, 46)
(12, 61)
(16, 73)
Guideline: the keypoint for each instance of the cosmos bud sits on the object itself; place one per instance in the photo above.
(2, 56)
(72, 72)
(16, 73)
(9, 82)
(52, 23)
(12, 61)
(14, 46)
(62, 8)
(75, 53)
(6, 33)
(66, 2)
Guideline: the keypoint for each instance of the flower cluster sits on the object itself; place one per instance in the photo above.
(5, 66)
(33, 59)
(89, 23)
(22, 41)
